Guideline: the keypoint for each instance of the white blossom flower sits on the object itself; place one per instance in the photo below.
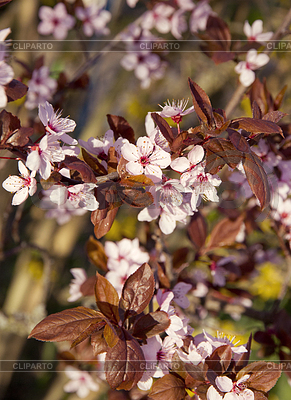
(245, 69)
(41, 87)
(145, 158)
(22, 186)
(170, 203)
(176, 110)
(75, 196)
(233, 390)
(255, 32)
(3, 45)
(222, 340)
(81, 382)
(196, 354)
(199, 16)
(155, 134)
(6, 76)
(158, 355)
(158, 18)
(178, 24)
(55, 21)
(94, 19)
(43, 154)
(80, 277)
(56, 125)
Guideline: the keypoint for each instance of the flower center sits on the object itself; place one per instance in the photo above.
(161, 355)
(202, 178)
(144, 160)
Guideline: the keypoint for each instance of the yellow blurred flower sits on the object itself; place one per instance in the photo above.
(268, 283)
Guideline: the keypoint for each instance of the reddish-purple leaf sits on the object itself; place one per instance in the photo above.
(96, 253)
(4, 2)
(274, 116)
(110, 335)
(87, 287)
(9, 124)
(136, 181)
(164, 127)
(197, 372)
(93, 163)
(93, 328)
(138, 197)
(103, 220)
(220, 152)
(263, 375)
(256, 111)
(238, 141)
(98, 343)
(112, 160)
(121, 128)
(169, 387)
(256, 126)
(197, 230)
(151, 324)
(137, 291)
(15, 90)
(75, 164)
(244, 357)
(66, 325)
(257, 178)
(107, 299)
(20, 137)
(279, 98)
(202, 104)
(220, 359)
(123, 363)
(224, 233)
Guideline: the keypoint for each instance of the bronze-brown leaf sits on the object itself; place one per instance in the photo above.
(123, 363)
(137, 291)
(66, 325)
(107, 299)
(264, 375)
(96, 253)
(121, 128)
(169, 387)
(151, 324)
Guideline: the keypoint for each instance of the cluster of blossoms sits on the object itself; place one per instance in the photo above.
(57, 22)
(124, 258)
(174, 199)
(6, 72)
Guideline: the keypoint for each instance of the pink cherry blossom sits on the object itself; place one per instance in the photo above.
(170, 203)
(255, 33)
(146, 66)
(56, 125)
(222, 340)
(41, 156)
(94, 19)
(180, 290)
(124, 258)
(41, 87)
(233, 390)
(100, 147)
(80, 382)
(145, 158)
(80, 277)
(62, 213)
(178, 24)
(127, 251)
(22, 185)
(75, 196)
(6, 76)
(186, 165)
(176, 110)
(55, 21)
(158, 355)
(158, 18)
(132, 3)
(3, 45)
(196, 354)
(246, 68)
(199, 16)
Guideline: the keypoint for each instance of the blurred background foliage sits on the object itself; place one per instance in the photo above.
(35, 276)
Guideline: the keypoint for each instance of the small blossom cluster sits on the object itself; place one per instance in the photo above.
(57, 22)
